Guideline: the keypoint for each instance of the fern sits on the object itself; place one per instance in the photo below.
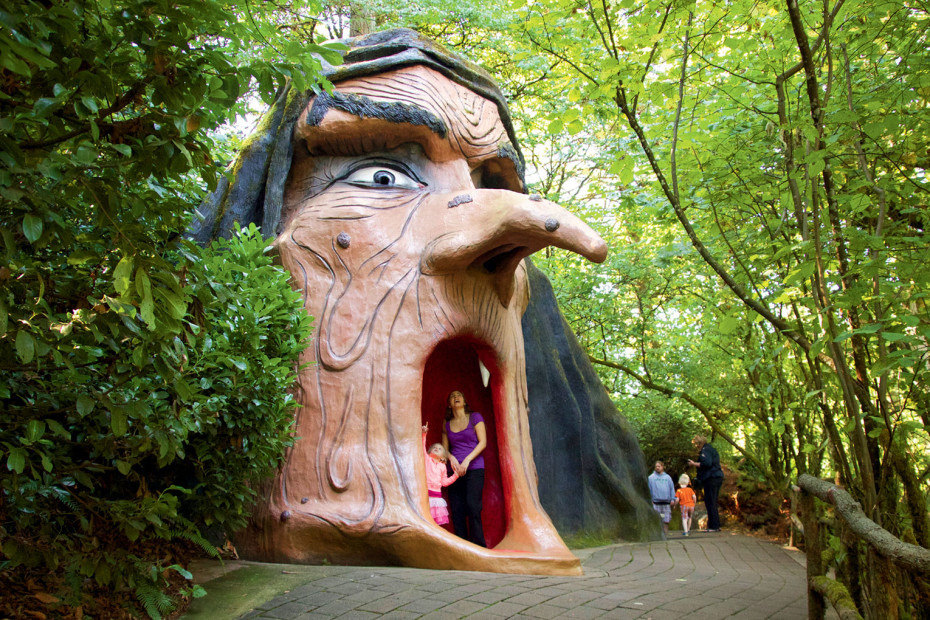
(67, 499)
(197, 538)
(157, 604)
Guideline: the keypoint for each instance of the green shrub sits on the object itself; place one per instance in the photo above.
(115, 434)
(143, 381)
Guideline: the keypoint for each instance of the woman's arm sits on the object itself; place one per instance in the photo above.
(482, 434)
(706, 460)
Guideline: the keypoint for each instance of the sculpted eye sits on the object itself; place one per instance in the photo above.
(379, 176)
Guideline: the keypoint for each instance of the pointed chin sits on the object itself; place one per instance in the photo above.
(387, 353)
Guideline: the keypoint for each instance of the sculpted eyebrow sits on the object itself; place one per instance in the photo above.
(363, 107)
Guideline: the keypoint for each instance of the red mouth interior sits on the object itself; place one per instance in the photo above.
(454, 366)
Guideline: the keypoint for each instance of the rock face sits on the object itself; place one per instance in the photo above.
(591, 469)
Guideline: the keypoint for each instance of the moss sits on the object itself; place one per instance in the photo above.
(838, 595)
(240, 591)
(587, 539)
(254, 153)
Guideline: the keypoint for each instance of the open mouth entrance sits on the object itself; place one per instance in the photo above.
(453, 365)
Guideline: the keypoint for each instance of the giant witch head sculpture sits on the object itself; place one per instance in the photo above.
(399, 208)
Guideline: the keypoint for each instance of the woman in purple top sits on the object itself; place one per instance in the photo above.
(464, 437)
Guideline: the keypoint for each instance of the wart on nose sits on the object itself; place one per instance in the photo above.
(461, 199)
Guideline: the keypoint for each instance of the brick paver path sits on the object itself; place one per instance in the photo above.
(703, 577)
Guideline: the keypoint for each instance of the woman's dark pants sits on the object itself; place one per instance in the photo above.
(465, 506)
(711, 491)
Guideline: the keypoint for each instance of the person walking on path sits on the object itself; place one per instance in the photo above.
(686, 499)
(464, 437)
(662, 490)
(710, 475)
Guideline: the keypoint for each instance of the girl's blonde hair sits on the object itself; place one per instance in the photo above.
(442, 451)
(684, 480)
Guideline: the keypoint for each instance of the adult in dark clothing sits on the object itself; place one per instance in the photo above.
(710, 476)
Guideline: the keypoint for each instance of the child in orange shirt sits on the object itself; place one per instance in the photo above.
(436, 478)
(686, 499)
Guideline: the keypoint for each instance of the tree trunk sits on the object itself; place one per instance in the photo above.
(914, 497)
(361, 20)
(850, 569)
(813, 549)
(884, 600)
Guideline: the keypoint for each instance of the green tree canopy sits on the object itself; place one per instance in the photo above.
(786, 144)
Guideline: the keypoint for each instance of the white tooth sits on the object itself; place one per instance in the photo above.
(485, 373)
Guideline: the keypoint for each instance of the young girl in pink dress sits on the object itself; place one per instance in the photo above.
(436, 478)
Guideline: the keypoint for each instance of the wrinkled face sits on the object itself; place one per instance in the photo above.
(405, 228)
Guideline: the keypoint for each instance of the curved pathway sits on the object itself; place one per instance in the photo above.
(704, 576)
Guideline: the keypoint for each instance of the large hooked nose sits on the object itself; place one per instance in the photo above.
(493, 230)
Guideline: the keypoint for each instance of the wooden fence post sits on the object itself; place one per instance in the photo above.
(813, 549)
